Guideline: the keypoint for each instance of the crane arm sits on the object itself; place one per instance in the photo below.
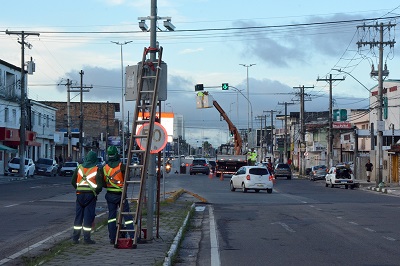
(237, 138)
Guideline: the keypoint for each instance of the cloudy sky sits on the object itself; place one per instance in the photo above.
(291, 43)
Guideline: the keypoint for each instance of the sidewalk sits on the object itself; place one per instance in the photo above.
(154, 252)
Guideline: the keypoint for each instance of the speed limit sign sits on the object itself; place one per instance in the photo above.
(158, 141)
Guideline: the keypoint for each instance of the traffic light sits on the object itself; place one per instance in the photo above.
(198, 87)
(225, 86)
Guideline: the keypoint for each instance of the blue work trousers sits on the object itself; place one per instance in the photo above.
(113, 202)
(85, 214)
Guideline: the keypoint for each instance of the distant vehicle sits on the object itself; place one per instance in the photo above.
(340, 175)
(252, 177)
(134, 160)
(200, 165)
(318, 172)
(100, 162)
(283, 169)
(44, 166)
(13, 167)
(68, 168)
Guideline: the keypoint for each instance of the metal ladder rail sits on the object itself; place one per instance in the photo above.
(141, 106)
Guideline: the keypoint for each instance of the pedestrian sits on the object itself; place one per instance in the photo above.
(88, 182)
(369, 166)
(114, 175)
(60, 159)
(251, 157)
(270, 167)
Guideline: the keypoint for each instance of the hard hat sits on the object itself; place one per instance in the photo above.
(112, 150)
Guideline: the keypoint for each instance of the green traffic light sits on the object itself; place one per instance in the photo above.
(225, 86)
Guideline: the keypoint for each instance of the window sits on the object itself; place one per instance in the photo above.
(14, 116)
(33, 118)
(47, 121)
(6, 118)
(258, 171)
(39, 119)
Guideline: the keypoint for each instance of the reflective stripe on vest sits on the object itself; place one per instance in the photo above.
(113, 178)
(86, 181)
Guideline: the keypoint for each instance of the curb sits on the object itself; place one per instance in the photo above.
(175, 244)
(378, 189)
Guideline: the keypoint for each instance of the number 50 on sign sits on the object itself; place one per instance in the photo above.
(158, 141)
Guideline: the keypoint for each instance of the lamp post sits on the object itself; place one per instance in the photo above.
(249, 103)
(248, 95)
(122, 96)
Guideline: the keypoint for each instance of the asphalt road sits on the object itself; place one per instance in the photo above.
(300, 223)
(34, 209)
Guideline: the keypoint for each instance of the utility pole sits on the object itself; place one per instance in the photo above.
(69, 149)
(330, 129)
(285, 157)
(22, 129)
(302, 128)
(81, 91)
(380, 73)
(122, 99)
(272, 130)
(261, 118)
(248, 97)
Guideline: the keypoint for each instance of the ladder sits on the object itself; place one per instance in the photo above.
(146, 102)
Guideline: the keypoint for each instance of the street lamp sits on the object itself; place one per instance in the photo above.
(251, 108)
(122, 97)
(339, 70)
(248, 94)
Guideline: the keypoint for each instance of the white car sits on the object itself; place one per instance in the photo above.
(68, 168)
(340, 175)
(13, 167)
(252, 177)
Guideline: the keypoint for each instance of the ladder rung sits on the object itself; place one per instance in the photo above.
(142, 121)
(125, 213)
(137, 151)
(140, 136)
(132, 199)
(146, 91)
(127, 230)
(149, 77)
(133, 182)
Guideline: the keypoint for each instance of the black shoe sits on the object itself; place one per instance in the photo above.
(89, 242)
(74, 241)
(112, 242)
(368, 181)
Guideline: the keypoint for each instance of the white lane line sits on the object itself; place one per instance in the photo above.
(215, 260)
(312, 206)
(285, 226)
(318, 209)
(353, 223)
(12, 205)
(339, 217)
(369, 230)
(389, 238)
(25, 250)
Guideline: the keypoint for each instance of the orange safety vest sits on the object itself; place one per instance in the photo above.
(86, 179)
(113, 178)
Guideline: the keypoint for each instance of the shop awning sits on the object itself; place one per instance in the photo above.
(7, 149)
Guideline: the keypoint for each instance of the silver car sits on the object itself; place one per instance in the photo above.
(283, 169)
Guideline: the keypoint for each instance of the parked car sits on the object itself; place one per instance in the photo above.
(44, 166)
(252, 177)
(283, 169)
(318, 172)
(100, 162)
(340, 175)
(200, 165)
(13, 167)
(68, 168)
(213, 164)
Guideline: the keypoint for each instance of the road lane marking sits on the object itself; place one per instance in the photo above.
(285, 226)
(354, 223)
(215, 260)
(369, 230)
(12, 205)
(389, 238)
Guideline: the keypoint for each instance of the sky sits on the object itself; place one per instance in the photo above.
(287, 43)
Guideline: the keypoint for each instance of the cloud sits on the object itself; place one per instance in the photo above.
(191, 51)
